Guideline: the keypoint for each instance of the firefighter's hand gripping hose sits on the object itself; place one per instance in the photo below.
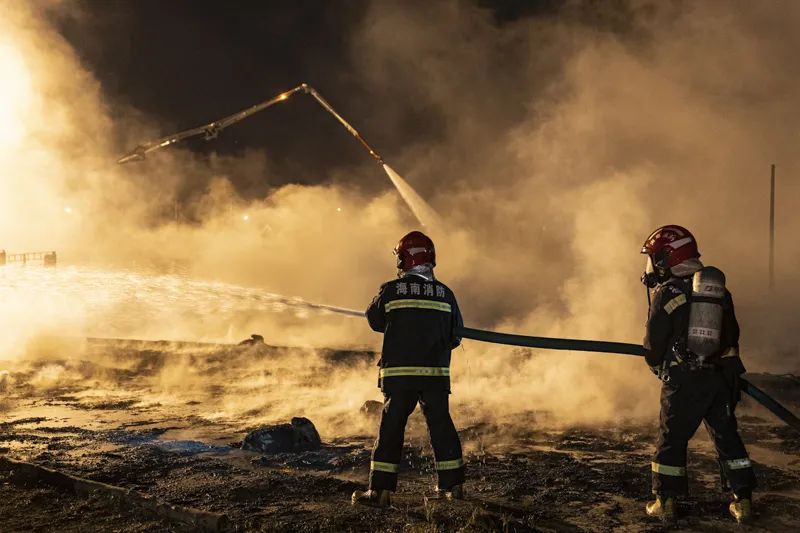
(616, 348)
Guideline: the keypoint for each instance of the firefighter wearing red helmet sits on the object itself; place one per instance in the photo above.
(692, 344)
(419, 318)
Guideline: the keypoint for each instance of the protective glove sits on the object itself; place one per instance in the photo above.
(734, 386)
(732, 370)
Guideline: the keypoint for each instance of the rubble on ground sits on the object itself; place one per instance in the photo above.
(371, 408)
(254, 340)
(524, 474)
(299, 435)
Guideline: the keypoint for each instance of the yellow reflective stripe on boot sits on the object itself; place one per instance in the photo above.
(449, 465)
(415, 371)
(738, 464)
(668, 470)
(417, 304)
(384, 467)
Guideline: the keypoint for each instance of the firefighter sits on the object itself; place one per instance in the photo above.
(419, 318)
(692, 345)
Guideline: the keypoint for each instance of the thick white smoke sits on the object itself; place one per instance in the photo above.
(561, 147)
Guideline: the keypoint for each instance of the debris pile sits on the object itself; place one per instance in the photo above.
(371, 408)
(254, 340)
(299, 435)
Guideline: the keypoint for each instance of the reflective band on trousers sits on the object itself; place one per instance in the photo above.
(415, 371)
(449, 465)
(668, 470)
(384, 467)
(675, 303)
(738, 464)
(417, 304)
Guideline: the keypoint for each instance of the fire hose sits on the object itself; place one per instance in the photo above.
(622, 348)
(578, 345)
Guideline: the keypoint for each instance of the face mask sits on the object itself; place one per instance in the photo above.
(649, 278)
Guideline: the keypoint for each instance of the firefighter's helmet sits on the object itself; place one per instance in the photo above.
(414, 249)
(669, 246)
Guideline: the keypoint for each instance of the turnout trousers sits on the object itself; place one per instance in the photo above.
(687, 399)
(386, 455)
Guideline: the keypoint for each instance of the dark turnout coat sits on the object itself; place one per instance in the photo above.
(419, 319)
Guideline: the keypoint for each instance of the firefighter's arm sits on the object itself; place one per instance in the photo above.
(730, 359)
(659, 329)
(458, 323)
(376, 313)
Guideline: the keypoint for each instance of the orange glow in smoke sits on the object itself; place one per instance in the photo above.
(15, 90)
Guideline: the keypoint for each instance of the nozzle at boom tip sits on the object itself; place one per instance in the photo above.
(137, 154)
(377, 156)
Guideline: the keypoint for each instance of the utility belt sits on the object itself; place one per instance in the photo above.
(682, 359)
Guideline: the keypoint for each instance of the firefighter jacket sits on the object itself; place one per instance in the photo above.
(419, 318)
(668, 325)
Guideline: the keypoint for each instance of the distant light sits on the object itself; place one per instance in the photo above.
(68, 210)
(284, 96)
(246, 217)
(339, 209)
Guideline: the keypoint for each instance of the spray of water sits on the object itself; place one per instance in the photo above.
(421, 209)
(106, 303)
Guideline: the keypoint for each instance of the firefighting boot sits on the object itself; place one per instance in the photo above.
(456, 492)
(741, 510)
(372, 498)
(663, 508)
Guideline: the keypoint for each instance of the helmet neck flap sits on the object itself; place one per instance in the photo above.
(423, 271)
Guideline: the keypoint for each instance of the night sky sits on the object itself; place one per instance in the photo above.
(187, 62)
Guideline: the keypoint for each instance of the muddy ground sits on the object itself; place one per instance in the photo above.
(521, 476)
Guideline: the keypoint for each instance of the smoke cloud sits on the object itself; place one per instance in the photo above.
(561, 142)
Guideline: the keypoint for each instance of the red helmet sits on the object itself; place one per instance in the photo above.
(669, 246)
(414, 249)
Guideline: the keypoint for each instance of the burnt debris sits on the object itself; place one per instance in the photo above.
(300, 435)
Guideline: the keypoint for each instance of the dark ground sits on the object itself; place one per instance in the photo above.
(533, 479)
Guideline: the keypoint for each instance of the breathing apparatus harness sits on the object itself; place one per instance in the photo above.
(698, 347)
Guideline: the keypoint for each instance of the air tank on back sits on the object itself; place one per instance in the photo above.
(705, 314)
